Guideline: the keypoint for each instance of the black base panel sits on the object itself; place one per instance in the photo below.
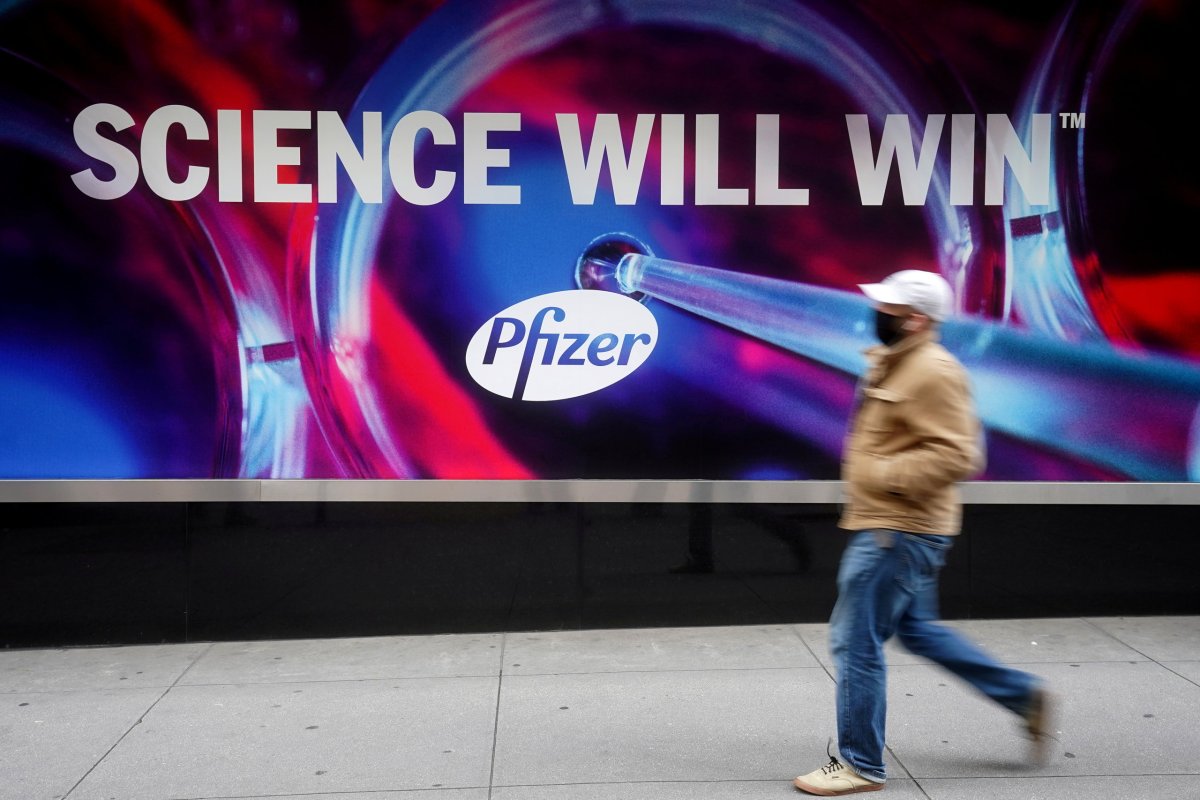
(118, 573)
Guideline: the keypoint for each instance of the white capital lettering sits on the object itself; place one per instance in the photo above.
(1032, 173)
(607, 146)
(896, 143)
(766, 167)
(154, 152)
(402, 154)
(364, 168)
(269, 156)
(708, 192)
(122, 160)
(478, 158)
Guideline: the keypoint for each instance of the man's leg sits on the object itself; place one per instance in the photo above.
(862, 621)
(920, 632)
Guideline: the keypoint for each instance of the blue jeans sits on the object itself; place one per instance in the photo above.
(886, 591)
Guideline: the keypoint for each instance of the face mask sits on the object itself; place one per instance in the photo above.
(888, 328)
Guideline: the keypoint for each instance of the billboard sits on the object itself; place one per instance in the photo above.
(569, 239)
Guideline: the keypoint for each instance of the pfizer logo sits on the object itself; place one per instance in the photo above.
(561, 345)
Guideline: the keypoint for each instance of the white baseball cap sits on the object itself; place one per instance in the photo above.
(925, 292)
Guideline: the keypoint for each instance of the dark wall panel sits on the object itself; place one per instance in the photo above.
(264, 571)
(92, 573)
(1071, 560)
(73, 574)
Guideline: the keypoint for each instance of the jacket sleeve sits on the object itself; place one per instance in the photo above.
(949, 441)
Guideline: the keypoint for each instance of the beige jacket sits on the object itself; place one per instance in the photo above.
(913, 436)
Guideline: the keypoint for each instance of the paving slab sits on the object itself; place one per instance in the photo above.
(1112, 719)
(79, 668)
(645, 714)
(49, 741)
(244, 741)
(752, 647)
(663, 726)
(1023, 641)
(1187, 669)
(1159, 638)
(716, 790)
(348, 659)
(1140, 787)
(480, 793)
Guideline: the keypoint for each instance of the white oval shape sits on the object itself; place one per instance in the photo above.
(560, 345)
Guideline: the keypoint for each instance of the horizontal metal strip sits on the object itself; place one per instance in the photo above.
(570, 491)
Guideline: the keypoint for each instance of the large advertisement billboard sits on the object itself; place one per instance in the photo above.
(568, 239)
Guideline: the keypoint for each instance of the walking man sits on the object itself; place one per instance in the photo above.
(914, 434)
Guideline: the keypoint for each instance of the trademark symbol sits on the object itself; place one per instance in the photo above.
(1070, 120)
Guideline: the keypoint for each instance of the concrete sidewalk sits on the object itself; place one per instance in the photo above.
(603, 715)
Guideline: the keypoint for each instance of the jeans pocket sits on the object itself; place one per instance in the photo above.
(860, 561)
(921, 561)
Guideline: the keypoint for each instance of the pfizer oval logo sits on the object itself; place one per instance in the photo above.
(561, 345)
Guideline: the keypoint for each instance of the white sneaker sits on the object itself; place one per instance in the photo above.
(835, 779)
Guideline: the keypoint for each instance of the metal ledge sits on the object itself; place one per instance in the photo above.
(563, 491)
